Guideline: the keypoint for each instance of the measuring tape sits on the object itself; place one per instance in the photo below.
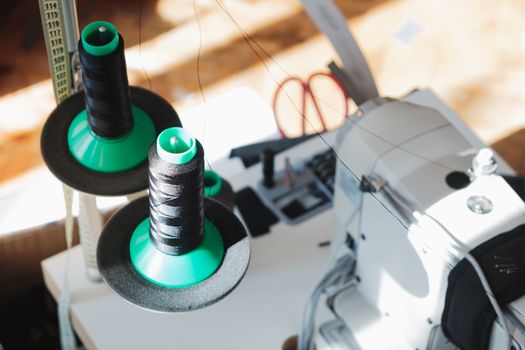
(58, 54)
(60, 59)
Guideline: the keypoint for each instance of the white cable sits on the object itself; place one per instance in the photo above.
(481, 275)
(336, 275)
(67, 337)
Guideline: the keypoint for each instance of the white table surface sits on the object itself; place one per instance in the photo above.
(261, 313)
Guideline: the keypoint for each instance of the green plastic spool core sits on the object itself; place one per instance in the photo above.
(176, 271)
(107, 155)
(99, 38)
(212, 183)
(176, 145)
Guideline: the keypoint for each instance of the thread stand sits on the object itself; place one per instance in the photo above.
(96, 141)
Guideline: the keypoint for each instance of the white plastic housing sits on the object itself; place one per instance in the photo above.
(403, 266)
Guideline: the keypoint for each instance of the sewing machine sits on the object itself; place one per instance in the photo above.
(432, 228)
(399, 201)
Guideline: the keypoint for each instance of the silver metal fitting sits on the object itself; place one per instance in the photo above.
(484, 163)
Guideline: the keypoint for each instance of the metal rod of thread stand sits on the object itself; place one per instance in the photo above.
(69, 9)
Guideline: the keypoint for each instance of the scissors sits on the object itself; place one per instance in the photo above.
(307, 92)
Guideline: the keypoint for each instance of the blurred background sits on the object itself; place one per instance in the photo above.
(470, 52)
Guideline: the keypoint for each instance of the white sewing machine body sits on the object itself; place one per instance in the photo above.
(403, 264)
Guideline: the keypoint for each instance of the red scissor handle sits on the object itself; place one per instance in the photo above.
(307, 90)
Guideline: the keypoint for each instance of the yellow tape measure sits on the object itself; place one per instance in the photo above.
(56, 46)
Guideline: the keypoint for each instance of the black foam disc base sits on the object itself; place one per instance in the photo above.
(114, 261)
(65, 167)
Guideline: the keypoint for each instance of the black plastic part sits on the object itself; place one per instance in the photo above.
(106, 91)
(343, 78)
(64, 166)
(114, 261)
(349, 241)
(256, 215)
(365, 185)
(457, 180)
(468, 316)
(323, 166)
(267, 157)
(302, 201)
(518, 185)
(176, 193)
(294, 209)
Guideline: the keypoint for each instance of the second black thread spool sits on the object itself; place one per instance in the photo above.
(176, 197)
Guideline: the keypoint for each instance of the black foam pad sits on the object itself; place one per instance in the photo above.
(255, 213)
(114, 261)
(65, 167)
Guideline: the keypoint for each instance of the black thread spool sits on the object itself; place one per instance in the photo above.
(106, 89)
(176, 199)
(174, 250)
(97, 141)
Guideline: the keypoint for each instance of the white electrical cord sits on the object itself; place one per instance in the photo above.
(341, 271)
(330, 278)
(67, 337)
(481, 275)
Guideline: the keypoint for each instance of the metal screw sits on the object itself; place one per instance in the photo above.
(480, 204)
(429, 320)
(363, 237)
